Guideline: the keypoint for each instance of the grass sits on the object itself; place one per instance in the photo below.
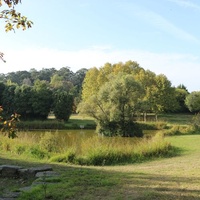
(181, 119)
(161, 179)
(87, 151)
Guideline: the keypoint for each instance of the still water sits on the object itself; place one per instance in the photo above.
(67, 136)
(64, 138)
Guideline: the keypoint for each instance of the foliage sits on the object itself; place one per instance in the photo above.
(181, 94)
(38, 124)
(180, 130)
(196, 121)
(9, 125)
(13, 19)
(193, 101)
(8, 96)
(41, 100)
(163, 95)
(115, 105)
(49, 142)
(63, 104)
(128, 129)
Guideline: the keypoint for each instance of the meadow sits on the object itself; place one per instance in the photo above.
(171, 177)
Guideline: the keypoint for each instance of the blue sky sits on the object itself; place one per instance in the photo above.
(161, 35)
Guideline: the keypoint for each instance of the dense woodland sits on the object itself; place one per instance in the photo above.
(34, 94)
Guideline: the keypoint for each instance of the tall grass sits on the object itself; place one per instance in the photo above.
(116, 150)
(91, 151)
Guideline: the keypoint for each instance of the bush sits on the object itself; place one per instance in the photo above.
(50, 142)
(48, 124)
(160, 125)
(127, 129)
(68, 157)
(180, 130)
(36, 152)
(20, 149)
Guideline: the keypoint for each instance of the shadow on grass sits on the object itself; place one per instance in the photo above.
(108, 183)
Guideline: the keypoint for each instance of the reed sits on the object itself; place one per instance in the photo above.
(110, 151)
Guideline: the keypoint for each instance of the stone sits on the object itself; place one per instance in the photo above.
(46, 174)
(11, 195)
(9, 170)
(23, 173)
(24, 189)
(35, 170)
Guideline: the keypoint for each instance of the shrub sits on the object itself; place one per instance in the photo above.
(20, 149)
(36, 152)
(68, 157)
(179, 130)
(50, 142)
(127, 129)
(159, 125)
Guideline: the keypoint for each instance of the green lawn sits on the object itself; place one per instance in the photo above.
(171, 178)
(176, 178)
(182, 119)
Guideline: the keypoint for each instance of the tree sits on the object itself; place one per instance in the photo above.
(192, 101)
(181, 94)
(23, 101)
(8, 99)
(163, 96)
(114, 106)
(41, 100)
(89, 88)
(63, 105)
(13, 19)
(102, 75)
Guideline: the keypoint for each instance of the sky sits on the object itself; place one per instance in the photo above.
(160, 35)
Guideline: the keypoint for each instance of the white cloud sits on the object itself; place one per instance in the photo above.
(187, 4)
(179, 68)
(165, 25)
(159, 21)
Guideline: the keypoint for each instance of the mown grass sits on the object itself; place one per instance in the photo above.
(163, 179)
(160, 179)
(180, 119)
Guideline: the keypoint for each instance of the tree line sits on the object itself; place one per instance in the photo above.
(116, 93)
(34, 94)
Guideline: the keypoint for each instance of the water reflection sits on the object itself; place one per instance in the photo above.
(69, 138)
(65, 138)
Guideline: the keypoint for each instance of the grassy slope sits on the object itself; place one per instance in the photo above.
(174, 178)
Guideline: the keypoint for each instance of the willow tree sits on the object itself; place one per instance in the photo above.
(115, 105)
(95, 78)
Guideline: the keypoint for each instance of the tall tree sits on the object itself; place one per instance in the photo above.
(23, 101)
(193, 101)
(181, 94)
(90, 85)
(42, 99)
(62, 105)
(163, 96)
(114, 106)
(8, 99)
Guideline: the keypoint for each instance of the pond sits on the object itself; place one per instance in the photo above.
(66, 138)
